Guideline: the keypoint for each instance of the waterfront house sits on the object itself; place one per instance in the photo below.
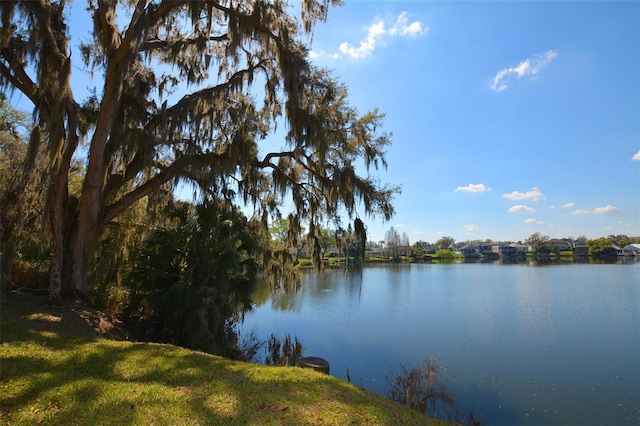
(480, 250)
(631, 250)
(561, 245)
(580, 248)
(521, 248)
(503, 249)
(469, 250)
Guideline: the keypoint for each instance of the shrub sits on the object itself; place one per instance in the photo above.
(445, 254)
(193, 279)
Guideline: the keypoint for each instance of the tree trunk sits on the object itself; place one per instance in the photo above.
(90, 217)
(7, 241)
(59, 200)
(61, 212)
(91, 209)
(82, 257)
(7, 254)
(57, 258)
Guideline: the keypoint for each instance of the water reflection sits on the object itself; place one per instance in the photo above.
(527, 343)
(547, 261)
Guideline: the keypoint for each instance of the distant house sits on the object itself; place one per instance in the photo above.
(430, 249)
(561, 245)
(631, 250)
(521, 248)
(486, 249)
(469, 251)
(480, 250)
(373, 252)
(503, 249)
(580, 248)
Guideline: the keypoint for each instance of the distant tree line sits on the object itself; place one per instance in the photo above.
(396, 245)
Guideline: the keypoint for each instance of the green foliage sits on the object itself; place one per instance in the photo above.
(349, 243)
(446, 243)
(195, 276)
(444, 254)
(540, 244)
(14, 127)
(22, 194)
(279, 230)
(601, 247)
(336, 261)
(620, 240)
(305, 263)
(421, 245)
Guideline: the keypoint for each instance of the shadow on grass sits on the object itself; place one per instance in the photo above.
(51, 374)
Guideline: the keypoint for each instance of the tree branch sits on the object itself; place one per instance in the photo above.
(207, 93)
(157, 44)
(22, 82)
(155, 182)
(266, 161)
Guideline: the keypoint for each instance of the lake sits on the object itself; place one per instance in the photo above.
(522, 344)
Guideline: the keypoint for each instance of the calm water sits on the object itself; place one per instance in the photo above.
(523, 344)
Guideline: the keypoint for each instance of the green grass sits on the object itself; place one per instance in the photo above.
(55, 369)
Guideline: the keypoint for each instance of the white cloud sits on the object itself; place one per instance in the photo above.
(534, 195)
(473, 187)
(636, 156)
(533, 221)
(521, 209)
(315, 54)
(564, 206)
(415, 28)
(531, 66)
(608, 209)
(470, 228)
(605, 210)
(376, 33)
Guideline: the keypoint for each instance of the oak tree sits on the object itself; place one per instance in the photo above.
(186, 91)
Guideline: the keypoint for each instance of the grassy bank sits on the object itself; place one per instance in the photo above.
(56, 367)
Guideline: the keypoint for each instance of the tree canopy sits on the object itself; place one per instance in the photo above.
(21, 196)
(446, 243)
(539, 243)
(186, 91)
(601, 247)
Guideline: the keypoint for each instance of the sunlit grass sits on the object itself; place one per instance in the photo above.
(50, 376)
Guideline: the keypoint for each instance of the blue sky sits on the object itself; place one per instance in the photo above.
(508, 118)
